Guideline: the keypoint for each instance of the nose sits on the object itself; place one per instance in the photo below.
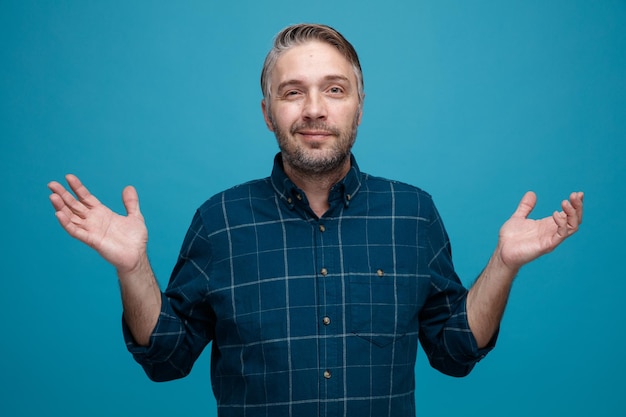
(314, 107)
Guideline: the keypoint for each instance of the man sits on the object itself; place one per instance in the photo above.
(315, 284)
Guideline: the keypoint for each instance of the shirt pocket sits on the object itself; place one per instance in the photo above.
(382, 306)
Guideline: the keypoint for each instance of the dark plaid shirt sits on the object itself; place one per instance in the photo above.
(313, 316)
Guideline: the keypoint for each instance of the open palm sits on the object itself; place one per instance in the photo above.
(523, 240)
(121, 240)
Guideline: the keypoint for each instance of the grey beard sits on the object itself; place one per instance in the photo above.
(299, 160)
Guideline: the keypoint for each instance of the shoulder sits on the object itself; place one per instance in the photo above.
(237, 203)
(258, 188)
(375, 184)
(403, 197)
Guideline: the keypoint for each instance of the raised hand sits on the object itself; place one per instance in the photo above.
(523, 240)
(121, 240)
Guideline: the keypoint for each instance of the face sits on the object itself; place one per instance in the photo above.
(314, 108)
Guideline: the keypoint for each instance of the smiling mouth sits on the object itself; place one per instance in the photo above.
(314, 133)
(314, 130)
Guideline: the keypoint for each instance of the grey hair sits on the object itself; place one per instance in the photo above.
(304, 32)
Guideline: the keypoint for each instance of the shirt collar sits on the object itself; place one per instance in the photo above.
(344, 191)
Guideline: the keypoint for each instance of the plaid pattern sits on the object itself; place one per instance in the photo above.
(309, 316)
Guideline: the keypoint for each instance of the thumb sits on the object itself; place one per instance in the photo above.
(526, 205)
(131, 201)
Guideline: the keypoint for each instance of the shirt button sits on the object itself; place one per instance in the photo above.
(380, 272)
(324, 271)
(327, 374)
(322, 228)
(326, 321)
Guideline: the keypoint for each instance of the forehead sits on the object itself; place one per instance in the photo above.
(310, 61)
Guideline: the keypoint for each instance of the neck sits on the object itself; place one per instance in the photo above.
(317, 186)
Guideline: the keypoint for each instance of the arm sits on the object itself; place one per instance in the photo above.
(521, 240)
(121, 241)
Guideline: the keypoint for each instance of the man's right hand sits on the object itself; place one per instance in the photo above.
(120, 240)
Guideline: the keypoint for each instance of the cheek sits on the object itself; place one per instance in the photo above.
(351, 116)
(284, 116)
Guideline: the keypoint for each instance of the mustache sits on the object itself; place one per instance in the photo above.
(315, 125)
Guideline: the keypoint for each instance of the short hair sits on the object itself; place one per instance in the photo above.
(305, 32)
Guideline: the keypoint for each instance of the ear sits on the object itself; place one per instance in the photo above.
(361, 111)
(267, 116)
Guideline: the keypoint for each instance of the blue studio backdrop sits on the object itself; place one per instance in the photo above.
(474, 101)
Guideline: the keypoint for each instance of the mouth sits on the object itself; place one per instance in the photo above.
(314, 134)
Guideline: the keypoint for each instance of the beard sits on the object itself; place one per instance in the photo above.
(316, 160)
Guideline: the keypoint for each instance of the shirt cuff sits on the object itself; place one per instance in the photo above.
(164, 340)
(461, 343)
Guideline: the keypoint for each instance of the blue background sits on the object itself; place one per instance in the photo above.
(474, 101)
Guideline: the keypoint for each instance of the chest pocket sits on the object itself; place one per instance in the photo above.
(382, 306)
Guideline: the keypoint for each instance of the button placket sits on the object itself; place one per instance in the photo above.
(330, 293)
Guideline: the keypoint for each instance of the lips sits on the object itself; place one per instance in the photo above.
(314, 133)
(314, 130)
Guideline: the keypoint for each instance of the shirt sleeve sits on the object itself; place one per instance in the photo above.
(445, 334)
(186, 322)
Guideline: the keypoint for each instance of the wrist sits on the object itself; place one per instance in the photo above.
(139, 266)
(498, 262)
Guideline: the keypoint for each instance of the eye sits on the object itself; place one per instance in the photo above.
(291, 94)
(335, 90)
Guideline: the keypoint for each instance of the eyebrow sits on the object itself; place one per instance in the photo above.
(297, 82)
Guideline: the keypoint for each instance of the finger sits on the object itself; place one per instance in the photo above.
(560, 218)
(82, 193)
(570, 215)
(63, 200)
(67, 215)
(131, 201)
(64, 215)
(571, 218)
(57, 202)
(526, 205)
(70, 227)
(576, 200)
(55, 187)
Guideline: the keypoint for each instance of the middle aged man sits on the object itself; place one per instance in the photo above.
(315, 283)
